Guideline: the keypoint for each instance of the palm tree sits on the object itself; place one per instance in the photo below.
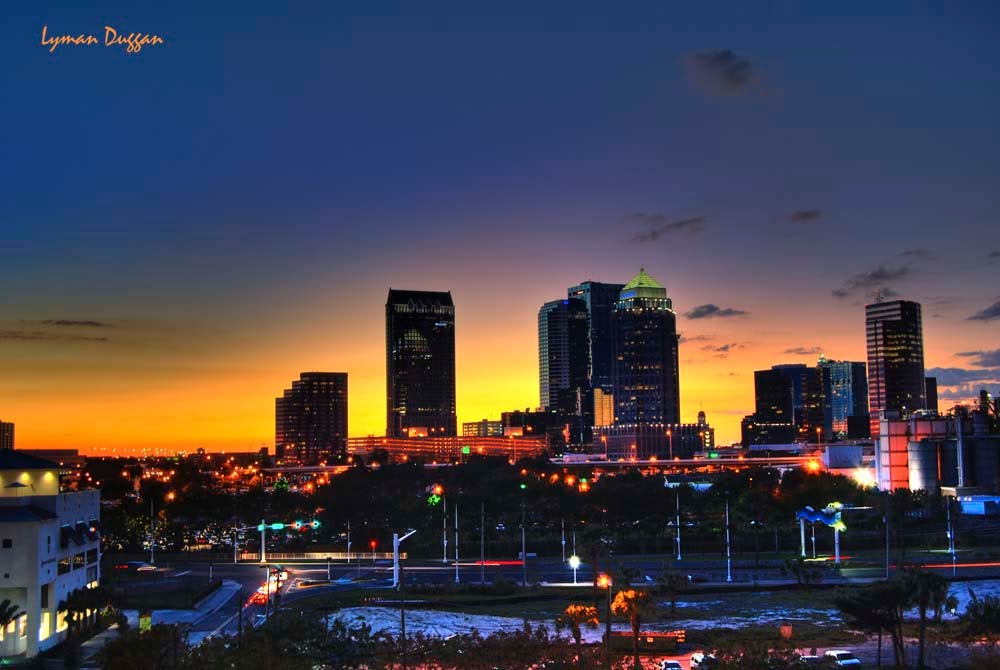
(670, 582)
(925, 589)
(8, 612)
(636, 605)
(573, 618)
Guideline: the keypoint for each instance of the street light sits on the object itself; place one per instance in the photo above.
(604, 582)
(396, 541)
(574, 562)
(670, 436)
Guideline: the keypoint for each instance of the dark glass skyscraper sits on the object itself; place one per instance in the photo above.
(6, 435)
(599, 300)
(310, 419)
(646, 379)
(562, 353)
(895, 358)
(420, 364)
(847, 395)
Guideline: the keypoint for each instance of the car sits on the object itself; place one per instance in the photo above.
(671, 665)
(700, 660)
(843, 659)
(134, 566)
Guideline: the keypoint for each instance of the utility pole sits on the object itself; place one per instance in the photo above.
(482, 543)
(951, 537)
(239, 629)
(729, 559)
(152, 536)
(524, 546)
(263, 542)
(456, 543)
(444, 529)
(236, 537)
(678, 522)
(563, 524)
(402, 615)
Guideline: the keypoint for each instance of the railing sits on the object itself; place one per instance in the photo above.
(273, 556)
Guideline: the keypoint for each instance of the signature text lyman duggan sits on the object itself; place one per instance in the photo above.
(133, 42)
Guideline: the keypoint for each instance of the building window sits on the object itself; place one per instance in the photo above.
(91, 556)
(92, 575)
(78, 560)
(8, 543)
(64, 565)
(48, 543)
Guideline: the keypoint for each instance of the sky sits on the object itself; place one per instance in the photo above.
(185, 229)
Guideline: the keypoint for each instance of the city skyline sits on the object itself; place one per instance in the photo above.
(175, 260)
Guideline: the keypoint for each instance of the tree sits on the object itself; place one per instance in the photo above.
(574, 617)
(804, 575)
(876, 608)
(924, 590)
(635, 605)
(670, 582)
(8, 613)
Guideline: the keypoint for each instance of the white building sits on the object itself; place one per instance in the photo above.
(49, 547)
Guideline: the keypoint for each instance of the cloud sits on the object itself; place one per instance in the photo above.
(722, 350)
(657, 225)
(993, 256)
(721, 72)
(42, 336)
(962, 376)
(983, 359)
(709, 310)
(696, 338)
(988, 314)
(804, 351)
(923, 254)
(806, 216)
(74, 323)
(872, 280)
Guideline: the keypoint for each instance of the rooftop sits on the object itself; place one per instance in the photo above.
(11, 459)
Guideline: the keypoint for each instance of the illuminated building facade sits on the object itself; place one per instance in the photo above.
(646, 381)
(451, 449)
(49, 547)
(661, 441)
(599, 299)
(310, 419)
(846, 390)
(895, 342)
(484, 428)
(420, 364)
(6, 435)
(563, 362)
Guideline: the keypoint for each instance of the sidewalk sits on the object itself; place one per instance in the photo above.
(206, 606)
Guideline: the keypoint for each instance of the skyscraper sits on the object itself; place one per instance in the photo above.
(563, 364)
(599, 300)
(895, 358)
(646, 378)
(310, 419)
(6, 435)
(846, 385)
(420, 364)
(931, 393)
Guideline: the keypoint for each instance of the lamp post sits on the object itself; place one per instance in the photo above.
(604, 439)
(670, 436)
(482, 543)
(456, 543)
(574, 562)
(562, 523)
(152, 536)
(729, 559)
(524, 545)
(604, 582)
(677, 492)
(396, 541)
(951, 537)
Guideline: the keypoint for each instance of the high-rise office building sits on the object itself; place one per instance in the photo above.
(310, 419)
(599, 300)
(931, 393)
(563, 365)
(791, 405)
(562, 353)
(895, 358)
(846, 387)
(646, 379)
(420, 364)
(6, 435)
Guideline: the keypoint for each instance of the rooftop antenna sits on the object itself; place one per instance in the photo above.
(878, 296)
